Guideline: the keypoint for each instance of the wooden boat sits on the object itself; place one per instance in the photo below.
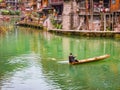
(91, 59)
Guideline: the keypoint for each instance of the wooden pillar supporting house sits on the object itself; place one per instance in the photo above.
(87, 18)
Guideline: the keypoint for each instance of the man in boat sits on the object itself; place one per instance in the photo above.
(72, 58)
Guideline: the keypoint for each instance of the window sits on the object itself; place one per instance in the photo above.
(113, 1)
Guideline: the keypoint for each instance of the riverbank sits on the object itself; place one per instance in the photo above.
(3, 29)
(30, 24)
(87, 33)
(5, 20)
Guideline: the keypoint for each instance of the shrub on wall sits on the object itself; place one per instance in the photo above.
(4, 12)
(17, 12)
(10, 12)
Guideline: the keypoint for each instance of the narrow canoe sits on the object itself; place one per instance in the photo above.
(91, 59)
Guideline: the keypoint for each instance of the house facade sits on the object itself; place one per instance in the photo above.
(13, 4)
(115, 12)
(115, 5)
(2, 4)
(57, 5)
(93, 14)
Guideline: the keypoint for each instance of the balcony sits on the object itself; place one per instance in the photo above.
(56, 2)
(33, 2)
(3, 5)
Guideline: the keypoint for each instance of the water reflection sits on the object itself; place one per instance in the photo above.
(33, 59)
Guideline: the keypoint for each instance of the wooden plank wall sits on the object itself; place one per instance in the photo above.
(115, 5)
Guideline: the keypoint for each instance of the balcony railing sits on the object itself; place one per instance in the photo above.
(55, 2)
(2, 5)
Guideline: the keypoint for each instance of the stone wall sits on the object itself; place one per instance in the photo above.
(76, 18)
(66, 16)
(70, 16)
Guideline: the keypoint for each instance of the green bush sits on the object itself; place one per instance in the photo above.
(59, 26)
(35, 14)
(11, 12)
(4, 12)
(108, 28)
(17, 12)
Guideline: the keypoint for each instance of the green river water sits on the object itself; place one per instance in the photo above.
(35, 60)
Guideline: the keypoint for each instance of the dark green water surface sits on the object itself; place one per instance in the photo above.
(36, 60)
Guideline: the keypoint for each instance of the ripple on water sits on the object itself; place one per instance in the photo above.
(30, 77)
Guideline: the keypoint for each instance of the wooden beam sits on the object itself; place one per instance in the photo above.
(87, 19)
